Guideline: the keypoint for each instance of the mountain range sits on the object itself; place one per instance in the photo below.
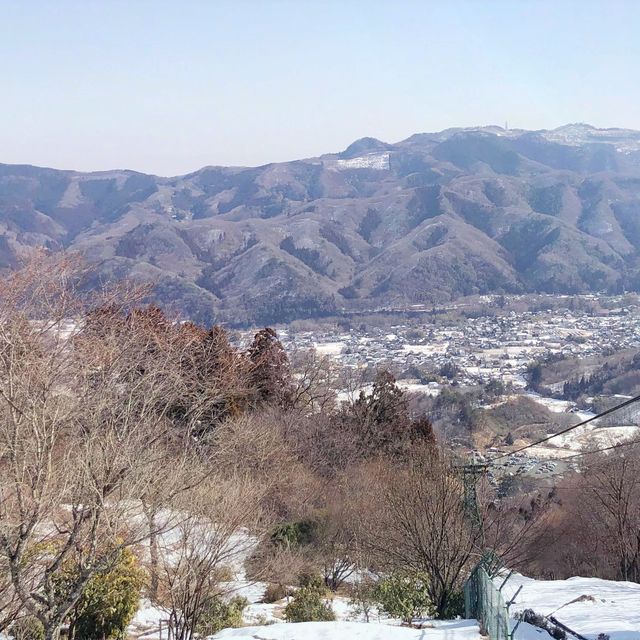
(422, 221)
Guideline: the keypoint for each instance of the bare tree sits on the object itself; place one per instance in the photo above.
(598, 527)
(263, 446)
(83, 430)
(613, 483)
(420, 524)
(337, 544)
(512, 529)
(10, 608)
(315, 382)
(212, 538)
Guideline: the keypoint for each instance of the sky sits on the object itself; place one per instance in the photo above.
(167, 87)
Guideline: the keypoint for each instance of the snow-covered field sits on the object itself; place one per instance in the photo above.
(329, 348)
(410, 386)
(588, 606)
(553, 404)
(426, 349)
(591, 435)
(430, 389)
(265, 622)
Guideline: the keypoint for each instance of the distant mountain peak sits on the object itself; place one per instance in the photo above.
(363, 146)
(580, 133)
(576, 126)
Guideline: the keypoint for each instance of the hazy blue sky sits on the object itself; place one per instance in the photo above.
(167, 87)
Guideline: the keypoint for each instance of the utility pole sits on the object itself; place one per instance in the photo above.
(470, 474)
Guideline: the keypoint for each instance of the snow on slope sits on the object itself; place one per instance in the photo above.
(578, 134)
(589, 606)
(589, 436)
(378, 161)
(446, 630)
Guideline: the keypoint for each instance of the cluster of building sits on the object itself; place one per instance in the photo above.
(482, 348)
(475, 349)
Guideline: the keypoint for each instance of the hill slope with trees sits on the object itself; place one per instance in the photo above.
(421, 221)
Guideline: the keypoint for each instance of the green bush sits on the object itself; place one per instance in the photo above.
(310, 578)
(455, 606)
(309, 604)
(404, 597)
(221, 615)
(291, 535)
(109, 601)
(28, 628)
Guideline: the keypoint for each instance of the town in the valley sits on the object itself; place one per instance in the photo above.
(492, 340)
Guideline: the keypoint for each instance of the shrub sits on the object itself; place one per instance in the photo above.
(293, 534)
(309, 578)
(309, 604)
(455, 606)
(404, 597)
(109, 601)
(275, 592)
(224, 574)
(28, 628)
(221, 615)
(362, 597)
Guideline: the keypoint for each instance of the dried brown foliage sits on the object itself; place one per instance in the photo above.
(101, 420)
(594, 528)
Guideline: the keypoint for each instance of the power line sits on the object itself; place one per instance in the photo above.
(626, 443)
(626, 403)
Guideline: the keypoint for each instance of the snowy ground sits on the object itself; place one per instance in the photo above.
(454, 630)
(553, 404)
(329, 348)
(265, 622)
(589, 436)
(429, 389)
(379, 161)
(411, 386)
(588, 606)
(426, 349)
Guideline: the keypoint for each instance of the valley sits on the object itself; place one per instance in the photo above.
(488, 350)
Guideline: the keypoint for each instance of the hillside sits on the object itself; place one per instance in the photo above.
(421, 221)
(611, 375)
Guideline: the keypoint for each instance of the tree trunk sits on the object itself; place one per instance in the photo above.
(52, 631)
(153, 555)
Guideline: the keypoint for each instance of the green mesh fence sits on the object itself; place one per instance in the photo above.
(485, 603)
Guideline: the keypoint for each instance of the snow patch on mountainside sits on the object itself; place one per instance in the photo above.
(379, 161)
(625, 140)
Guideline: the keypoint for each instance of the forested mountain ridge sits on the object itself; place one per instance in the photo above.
(436, 216)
